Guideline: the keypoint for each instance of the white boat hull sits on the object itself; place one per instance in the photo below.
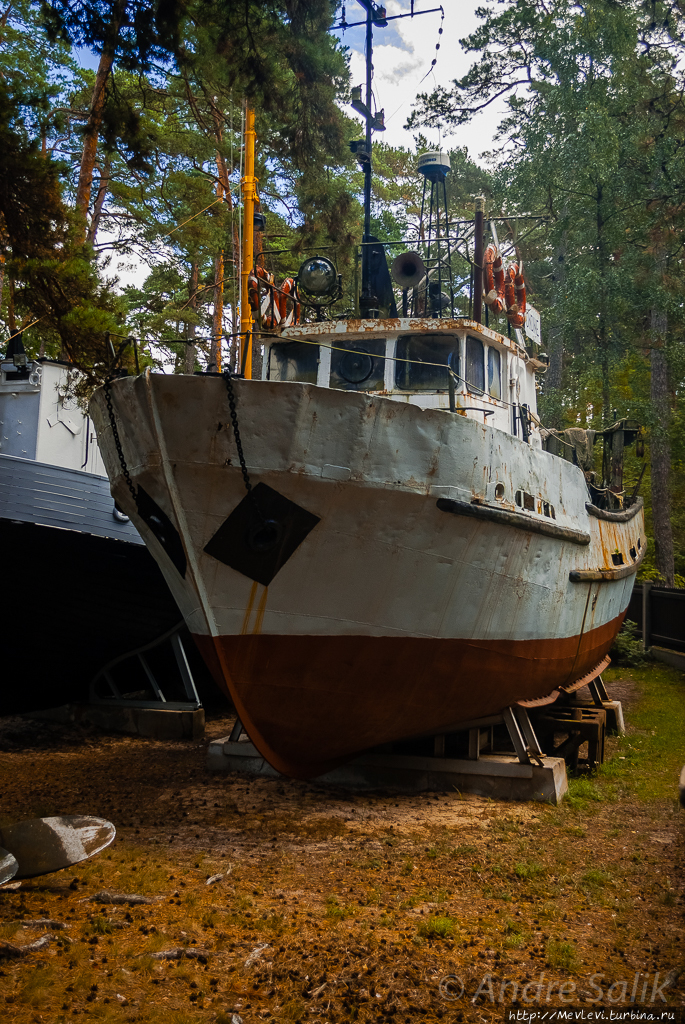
(392, 617)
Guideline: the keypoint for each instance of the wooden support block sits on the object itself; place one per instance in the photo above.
(474, 744)
(580, 724)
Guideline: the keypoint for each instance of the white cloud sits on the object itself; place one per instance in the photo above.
(402, 63)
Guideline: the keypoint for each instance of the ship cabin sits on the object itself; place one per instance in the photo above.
(492, 378)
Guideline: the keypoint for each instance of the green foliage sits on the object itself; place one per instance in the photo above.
(527, 870)
(437, 928)
(581, 792)
(596, 879)
(54, 279)
(649, 761)
(627, 648)
(591, 137)
(562, 956)
(170, 127)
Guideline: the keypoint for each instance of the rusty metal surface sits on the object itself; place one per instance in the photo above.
(518, 520)
(577, 684)
(409, 325)
(590, 575)
(334, 696)
(43, 845)
(622, 516)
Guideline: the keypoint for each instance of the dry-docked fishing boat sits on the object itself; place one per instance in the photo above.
(389, 552)
(397, 568)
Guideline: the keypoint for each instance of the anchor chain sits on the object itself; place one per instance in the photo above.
(228, 378)
(265, 534)
(117, 439)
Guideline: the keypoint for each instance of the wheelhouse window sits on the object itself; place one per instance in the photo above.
(494, 373)
(360, 367)
(475, 364)
(294, 360)
(417, 356)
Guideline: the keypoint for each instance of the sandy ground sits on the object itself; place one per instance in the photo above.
(332, 906)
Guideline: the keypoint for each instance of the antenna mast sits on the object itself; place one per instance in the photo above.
(375, 15)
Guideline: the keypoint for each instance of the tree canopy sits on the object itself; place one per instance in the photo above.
(141, 158)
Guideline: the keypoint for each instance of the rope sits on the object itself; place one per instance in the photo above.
(179, 226)
(339, 348)
(394, 359)
(355, 351)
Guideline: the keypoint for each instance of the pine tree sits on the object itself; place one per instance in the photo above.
(593, 134)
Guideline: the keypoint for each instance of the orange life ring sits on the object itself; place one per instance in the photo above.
(253, 292)
(515, 295)
(493, 279)
(270, 315)
(286, 290)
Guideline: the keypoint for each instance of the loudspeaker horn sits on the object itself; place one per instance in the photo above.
(408, 270)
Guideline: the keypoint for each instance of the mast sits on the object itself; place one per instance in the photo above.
(375, 15)
(366, 299)
(478, 261)
(248, 188)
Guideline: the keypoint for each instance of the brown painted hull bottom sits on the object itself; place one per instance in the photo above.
(310, 703)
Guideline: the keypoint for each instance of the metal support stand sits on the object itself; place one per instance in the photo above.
(117, 695)
(598, 691)
(603, 702)
(236, 731)
(184, 669)
(578, 724)
(522, 735)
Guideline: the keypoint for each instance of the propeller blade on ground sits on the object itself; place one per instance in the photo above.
(8, 866)
(43, 845)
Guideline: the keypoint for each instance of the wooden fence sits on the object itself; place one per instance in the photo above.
(659, 613)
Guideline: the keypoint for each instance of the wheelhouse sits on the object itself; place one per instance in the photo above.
(412, 361)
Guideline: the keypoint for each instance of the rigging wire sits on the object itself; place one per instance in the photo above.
(437, 47)
(354, 351)
(192, 218)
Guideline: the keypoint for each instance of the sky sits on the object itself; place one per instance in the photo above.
(402, 57)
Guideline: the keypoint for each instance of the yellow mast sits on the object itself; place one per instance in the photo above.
(248, 187)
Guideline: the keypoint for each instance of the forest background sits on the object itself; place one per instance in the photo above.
(142, 156)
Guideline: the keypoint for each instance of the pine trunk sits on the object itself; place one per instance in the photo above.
(11, 321)
(103, 185)
(92, 132)
(660, 452)
(223, 191)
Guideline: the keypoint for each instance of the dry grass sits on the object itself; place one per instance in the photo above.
(362, 905)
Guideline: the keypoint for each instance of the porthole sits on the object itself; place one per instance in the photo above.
(499, 492)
